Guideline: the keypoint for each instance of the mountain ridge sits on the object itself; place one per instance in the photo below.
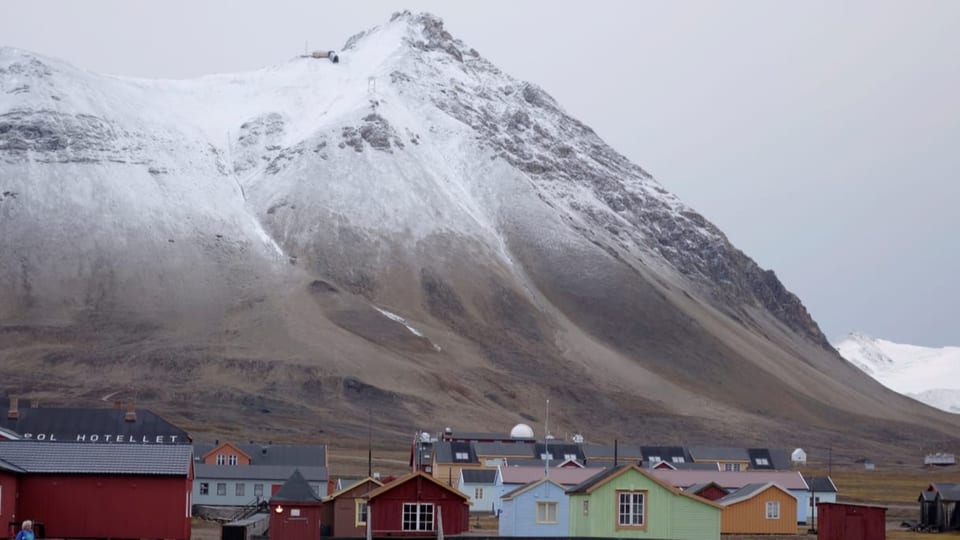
(240, 237)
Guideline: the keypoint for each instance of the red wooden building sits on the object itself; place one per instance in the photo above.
(710, 491)
(295, 511)
(79, 490)
(345, 511)
(850, 522)
(413, 506)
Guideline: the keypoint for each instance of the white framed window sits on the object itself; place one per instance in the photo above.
(545, 456)
(462, 456)
(220, 459)
(547, 512)
(258, 490)
(360, 512)
(569, 457)
(630, 510)
(204, 488)
(762, 461)
(241, 489)
(677, 459)
(773, 510)
(294, 512)
(654, 459)
(222, 489)
(731, 467)
(417, 517)
(233, 459)
(478, 493)
(586, 507)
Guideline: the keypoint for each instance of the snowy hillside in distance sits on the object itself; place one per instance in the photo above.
(923, 373)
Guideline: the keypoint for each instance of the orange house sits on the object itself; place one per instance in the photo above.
(759, 509)
(226, 453)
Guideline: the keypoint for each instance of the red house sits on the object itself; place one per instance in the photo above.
(414, 505)
(79, 490)
(710, 491)
(345, 511)
(851, 522)
(295, 511)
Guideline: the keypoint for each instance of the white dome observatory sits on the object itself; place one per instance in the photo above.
(521, 431)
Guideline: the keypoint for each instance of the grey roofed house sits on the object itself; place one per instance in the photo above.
(479, 476)
(454, 452)
(519, 449)
(273, 454)
(560, 451)
(258, 472)
(769, 458)
(83, 458)
(295, 489)
(820, 484)
(672, 454)
(625, 452)
(718, 453)
(684, 466)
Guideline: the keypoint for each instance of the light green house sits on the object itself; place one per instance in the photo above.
(627, 502)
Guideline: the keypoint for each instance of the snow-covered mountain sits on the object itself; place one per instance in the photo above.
(924, 373)
(409, 229)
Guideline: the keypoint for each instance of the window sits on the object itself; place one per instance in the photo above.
(630, 512)
(360, 512)
(294, 512)
(773, 510)
(731, 466)
(478, 493)
(258, 490)
(221, 488)
(417, 517)
(546, 512)
(233, 459)
(586, 507)
(545, 456)
(677, 459)
(762, 461)
(462, 456)
(204, 488)
(569, 457)
(654, 459)
(241, 488)
(220, 459)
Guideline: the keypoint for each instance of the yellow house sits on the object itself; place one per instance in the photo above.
(759, 509)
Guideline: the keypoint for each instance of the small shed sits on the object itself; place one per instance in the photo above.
(295, 511)
(938, 507)
(411, 506)
(799, 457)
(759, 509)
(839, 521)
(345, 512)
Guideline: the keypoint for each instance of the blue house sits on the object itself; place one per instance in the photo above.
(481, 486)
(540, 509)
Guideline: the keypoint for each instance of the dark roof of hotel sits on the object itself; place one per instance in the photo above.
(67, 424)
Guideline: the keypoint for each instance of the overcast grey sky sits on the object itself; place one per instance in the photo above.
(822, 137)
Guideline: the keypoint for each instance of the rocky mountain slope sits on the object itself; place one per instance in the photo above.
(410, 231)
(923, 373)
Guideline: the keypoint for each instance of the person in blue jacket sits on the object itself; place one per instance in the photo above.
(26, 531)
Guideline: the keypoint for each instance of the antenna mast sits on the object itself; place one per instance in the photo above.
(546, 442)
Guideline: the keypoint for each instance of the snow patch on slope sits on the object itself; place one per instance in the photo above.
(396, 318)
(923, 373)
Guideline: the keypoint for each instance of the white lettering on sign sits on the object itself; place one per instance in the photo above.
(106, 437)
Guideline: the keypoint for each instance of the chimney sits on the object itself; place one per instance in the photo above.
(131, 415)
(14, 412)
